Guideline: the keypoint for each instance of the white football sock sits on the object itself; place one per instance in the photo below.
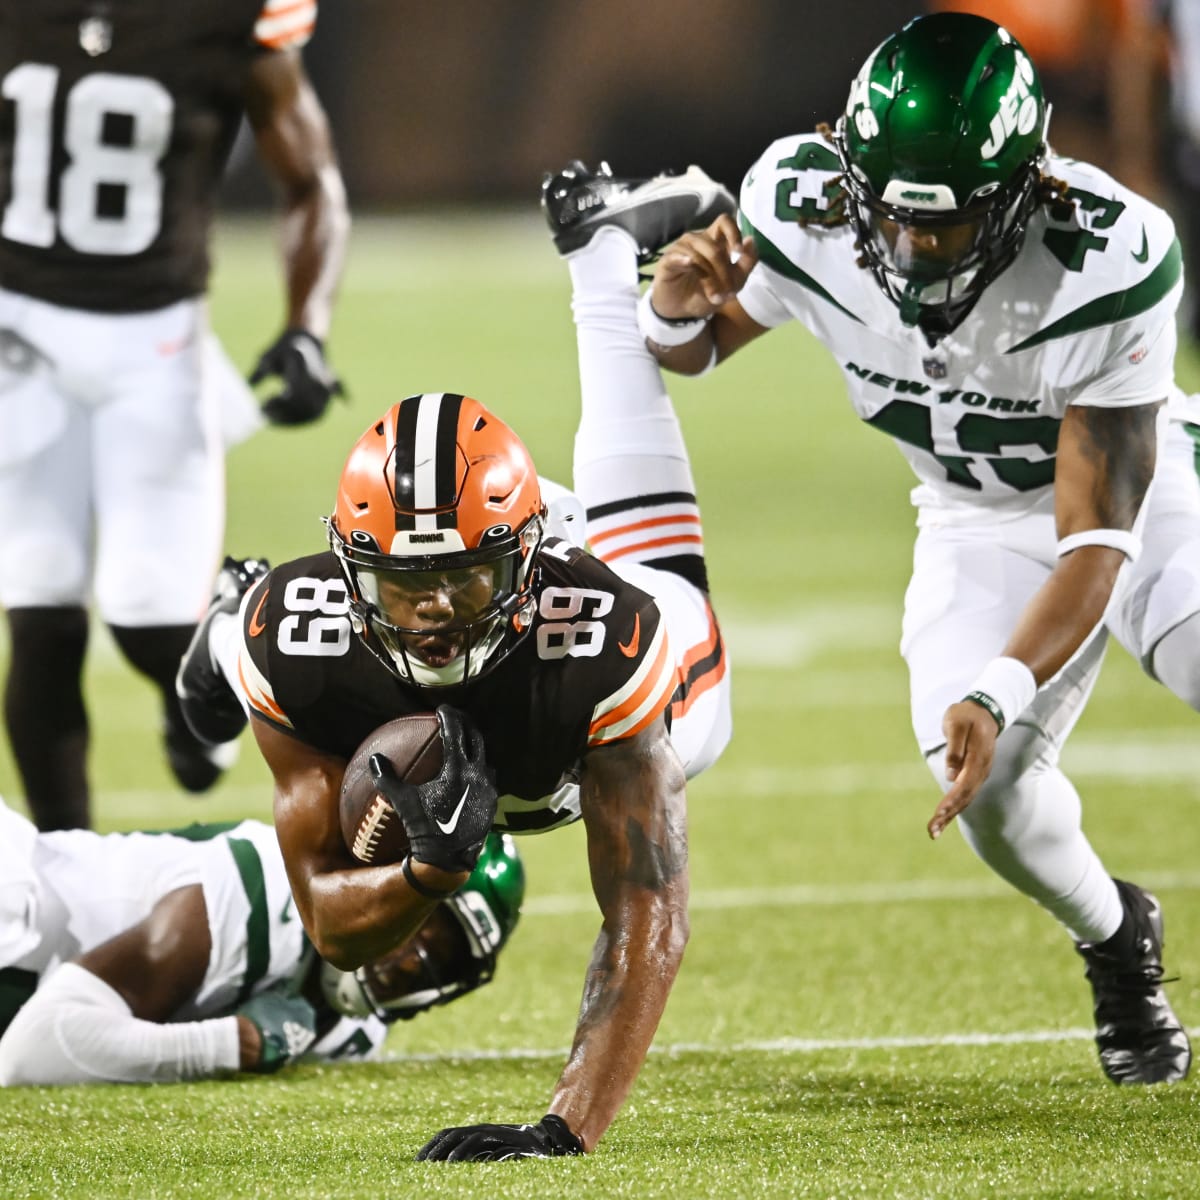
(629, 443)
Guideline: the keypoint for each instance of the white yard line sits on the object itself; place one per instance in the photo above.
(776, 1046)
(911, 891)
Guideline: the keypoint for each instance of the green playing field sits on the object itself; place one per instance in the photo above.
(861, 1012)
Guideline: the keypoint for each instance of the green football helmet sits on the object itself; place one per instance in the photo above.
(942, 144)
(453, 953)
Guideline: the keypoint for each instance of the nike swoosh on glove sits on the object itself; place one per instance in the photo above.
(447, 818)
(298, 358)
(551, 1137)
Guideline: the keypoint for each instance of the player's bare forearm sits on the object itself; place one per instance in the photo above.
(295, 144)
(1105, 462)
(635, 810)
(352, 913)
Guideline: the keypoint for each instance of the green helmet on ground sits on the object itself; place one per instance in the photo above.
(942, 143)
(453, 953)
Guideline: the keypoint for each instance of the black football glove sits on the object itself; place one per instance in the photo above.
(298, 358)
(447, 818)
(549, 1138)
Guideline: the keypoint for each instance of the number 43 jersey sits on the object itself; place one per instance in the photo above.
(595, 667)
(116, 119)
(1084, 315)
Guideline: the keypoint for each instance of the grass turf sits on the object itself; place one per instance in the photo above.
(861, 1012)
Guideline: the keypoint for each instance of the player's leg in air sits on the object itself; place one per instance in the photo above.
(631, 468)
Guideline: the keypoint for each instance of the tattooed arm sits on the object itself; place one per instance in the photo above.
(634, 808)
(1105, 462)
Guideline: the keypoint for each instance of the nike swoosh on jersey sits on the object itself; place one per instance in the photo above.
(630, 648)
(449, 826)
(257, 626)
(1144, 253)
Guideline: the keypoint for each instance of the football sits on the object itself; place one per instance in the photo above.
(370, 826)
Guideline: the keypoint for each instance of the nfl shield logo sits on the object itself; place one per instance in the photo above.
(934, 368)
(95, 35)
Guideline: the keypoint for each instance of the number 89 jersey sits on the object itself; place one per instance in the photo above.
(1083, 315)
(595, 667)
(116, 122)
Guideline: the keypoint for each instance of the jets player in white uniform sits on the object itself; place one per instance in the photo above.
(1008, 317)
(156, 957)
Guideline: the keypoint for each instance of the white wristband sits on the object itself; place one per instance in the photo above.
(663, 331)
(1006, 688)
(1128, 543)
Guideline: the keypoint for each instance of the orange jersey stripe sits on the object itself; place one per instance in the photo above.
(662, 677)
(261, 702)
(281, 8)
(294, 37)
(652, 522)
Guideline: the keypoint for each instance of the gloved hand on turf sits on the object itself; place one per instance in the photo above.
(286, 1023)
(549, 1138)
(298, 358)
(447, 818)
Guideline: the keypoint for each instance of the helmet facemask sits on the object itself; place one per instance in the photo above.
(442, 620)
(440, 963)
(454, 951)
(934, 262)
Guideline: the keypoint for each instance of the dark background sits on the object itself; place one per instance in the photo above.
(471, 100)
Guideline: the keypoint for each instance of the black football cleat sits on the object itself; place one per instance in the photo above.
(196, 765)
(213, 714)
(1139, 1037)
(578, 201)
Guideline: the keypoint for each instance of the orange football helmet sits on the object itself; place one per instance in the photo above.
(438, 521)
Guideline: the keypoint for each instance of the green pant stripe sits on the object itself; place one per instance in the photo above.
(258, 924)
(1194, 433)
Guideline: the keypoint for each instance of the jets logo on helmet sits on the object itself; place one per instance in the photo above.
(1020, 109)
(438, 520)
(941, 144)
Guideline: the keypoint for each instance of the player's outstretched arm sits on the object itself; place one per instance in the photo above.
(1105, 462)
(295, 144)
(106, 1016)
(633, 802)
(352, 913)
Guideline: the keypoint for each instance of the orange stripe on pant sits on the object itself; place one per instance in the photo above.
(649, 523)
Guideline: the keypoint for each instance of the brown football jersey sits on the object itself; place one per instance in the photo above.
(594, 667)
(116, 121)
